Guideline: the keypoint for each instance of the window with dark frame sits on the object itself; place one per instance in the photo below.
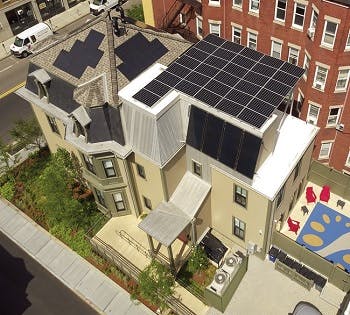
(89, 163)
(279, 197)
(118, 201)
(239, 228)
(147, 202)
(197, 168)
(241, 196)
(109, 168)
(297, 170)
(53, 124)
(100, 197)
(141, 171)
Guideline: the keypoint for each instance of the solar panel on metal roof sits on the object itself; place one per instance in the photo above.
(235, 79)
(147, 97)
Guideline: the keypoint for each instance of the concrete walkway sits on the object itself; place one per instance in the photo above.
(76, 273)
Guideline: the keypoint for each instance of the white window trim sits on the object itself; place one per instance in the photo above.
(249, 36)
(285, 12)
(306, 56)
(216, 23)
(323, 84)
(337, 117)
(237, 6)
(199, 18)
(296, 26)
(346, 83)
(279, 44)
(347, 43)
(347, 161)
(326, 157)
(308, 113)
(214, 3)
(236, 27)
(323, 43)
(289, 53)
(255, 11)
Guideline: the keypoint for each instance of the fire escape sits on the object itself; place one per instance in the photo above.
(172, 23)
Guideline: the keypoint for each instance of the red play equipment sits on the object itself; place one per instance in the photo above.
(294, 225)
(310, 195)
(325, 193)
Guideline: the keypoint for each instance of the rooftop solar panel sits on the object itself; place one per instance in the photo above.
(236, 80)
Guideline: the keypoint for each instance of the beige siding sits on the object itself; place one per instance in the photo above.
(148, 12)
(174, 171)
(203, 220)
(54, 140)
(151, 187)
(224, 209)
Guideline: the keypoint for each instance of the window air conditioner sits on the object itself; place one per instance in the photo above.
(319, 85)
(339, 127)
(311, 32)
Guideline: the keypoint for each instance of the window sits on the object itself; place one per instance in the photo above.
(300, 102)
(214, 28)
(347, 45)
(297, 170)
(252, 40)
(33, 38)
(214, 2)
(141, 171)
(78, 129)
(280, 13)
(197, 168)
(320, 78)
(42, 89)
(276, 49)
(100, 197)
(26, 41)
(254, 5)
(182, 18)
(306, 64)
(118, 201)
(239, 228)
(293, 56)
(52, 123)
(279, 197)
(236, 34)
(147, 203)
(109, 168)
(241, 196)
(347, 162)
(325, 150)
(299, 14)
(89, 163)
(343, 79)
(333, 116)
(329, 33)
(237, 3)
(313, 21)
(199, 26)
(312, 115)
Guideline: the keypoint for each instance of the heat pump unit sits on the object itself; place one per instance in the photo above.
(311, 32)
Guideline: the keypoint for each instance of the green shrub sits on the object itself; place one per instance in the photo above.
(198, 260)
(75, 239)
(136, 12)
(8, 190)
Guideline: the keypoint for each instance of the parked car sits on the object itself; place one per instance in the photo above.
(99, 6)
(28, 39)
(305, 308)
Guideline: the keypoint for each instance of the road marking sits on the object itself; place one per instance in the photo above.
(7, 68)
(12, 90)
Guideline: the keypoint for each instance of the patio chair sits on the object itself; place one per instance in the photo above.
(294, 225)
(310, 195)
(325, 193)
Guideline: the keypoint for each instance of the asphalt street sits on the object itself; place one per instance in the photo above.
(12, 108)
(27, 288)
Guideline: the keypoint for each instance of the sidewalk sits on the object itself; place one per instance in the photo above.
(56, 23)
(80, 276)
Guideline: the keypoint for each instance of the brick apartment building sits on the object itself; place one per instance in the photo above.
(311, 34)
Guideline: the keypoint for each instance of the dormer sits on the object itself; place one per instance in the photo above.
(81, 121)
(43, 81)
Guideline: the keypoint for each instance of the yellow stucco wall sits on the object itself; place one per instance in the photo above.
(174, 171)
(148, 12)
(151, 187)
(224, 209)
(53, 140)
(203, 217)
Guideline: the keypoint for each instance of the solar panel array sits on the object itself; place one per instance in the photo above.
(237, 80)
(230, 145)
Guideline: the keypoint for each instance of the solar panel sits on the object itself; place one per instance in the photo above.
(248, 154)
(195, 127)
(212, 136)
(147, 97)
(234, 79)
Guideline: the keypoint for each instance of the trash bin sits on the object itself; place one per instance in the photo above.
(273, 252)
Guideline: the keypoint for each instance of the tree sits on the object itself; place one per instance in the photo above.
(198, 260)
(6, 162)
(156, 283)
(27, 132)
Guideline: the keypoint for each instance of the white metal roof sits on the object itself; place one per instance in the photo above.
(169, 219)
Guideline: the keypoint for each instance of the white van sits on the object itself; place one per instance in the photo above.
(26, 41)
(100, 6)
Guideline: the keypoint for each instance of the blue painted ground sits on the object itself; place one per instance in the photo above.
(335, 225)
